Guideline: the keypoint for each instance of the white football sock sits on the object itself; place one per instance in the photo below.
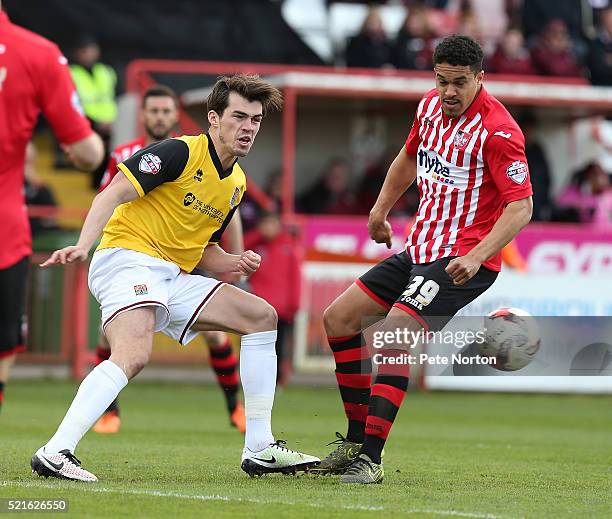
(258, 376)
(95, 393)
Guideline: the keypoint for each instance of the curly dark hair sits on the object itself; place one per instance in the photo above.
(459, 50)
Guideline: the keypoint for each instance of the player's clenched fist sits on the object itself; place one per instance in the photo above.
(462, 269)
(249, 262)
(66, 255)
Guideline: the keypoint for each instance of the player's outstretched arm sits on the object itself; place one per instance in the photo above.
(118, 192)
(400, 176)
(514, 217)
(216, 260)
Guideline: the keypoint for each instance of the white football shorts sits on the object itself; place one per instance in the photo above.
(123, 279)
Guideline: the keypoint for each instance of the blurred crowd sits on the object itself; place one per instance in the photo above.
(587, 198)
(563, 38)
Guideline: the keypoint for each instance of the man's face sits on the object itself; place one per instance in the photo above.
(238, 125)
(457, 87)
(159, 115)
(87, 55)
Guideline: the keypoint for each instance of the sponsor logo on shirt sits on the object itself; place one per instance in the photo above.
(149, 164)
(189, 199)
(434, 167)
(461, 140)
(517, 171)
(198, 175)
(140, 290)
(198, 205)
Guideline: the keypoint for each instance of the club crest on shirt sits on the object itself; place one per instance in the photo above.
(235, 196)
(461, 140)
(141, 290)
(517, 171)
(150, 164)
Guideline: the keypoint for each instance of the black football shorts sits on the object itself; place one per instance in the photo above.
(423, 290)
(13, 281)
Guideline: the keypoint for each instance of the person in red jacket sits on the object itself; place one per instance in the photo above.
(553, 54)
(511, 56)
(278, 279)
(34, 78)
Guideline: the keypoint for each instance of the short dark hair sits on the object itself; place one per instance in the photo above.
(251, 87)
(461, 51)
(159, 91)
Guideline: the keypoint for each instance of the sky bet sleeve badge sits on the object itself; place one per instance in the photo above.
(517, 171)
(150, 164)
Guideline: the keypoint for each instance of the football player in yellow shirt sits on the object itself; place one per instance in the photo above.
(162, 216)
(159, 115)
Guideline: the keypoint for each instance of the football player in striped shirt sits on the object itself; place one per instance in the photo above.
(467, 155)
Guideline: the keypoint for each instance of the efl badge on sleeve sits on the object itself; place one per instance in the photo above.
(150, 164)
(461, 140)
(517, 171)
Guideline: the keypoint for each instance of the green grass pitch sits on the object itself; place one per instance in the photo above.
(449, 455)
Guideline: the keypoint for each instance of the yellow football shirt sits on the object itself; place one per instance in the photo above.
(186, 201)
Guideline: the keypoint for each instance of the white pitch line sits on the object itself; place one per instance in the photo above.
(453, 513)
(217, 497)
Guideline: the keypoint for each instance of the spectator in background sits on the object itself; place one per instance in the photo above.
(370, 47)
(274, 189)
(511, 56)
(37, 193)
(599, 59)
(413, 48)
(278, 280)
(538, 13)
(468, 23)
(251, 210)
(372, 182)
(553, 54)
(490, 20)
(331, 194)
(96, 83)
(539, 170)
(588, 198)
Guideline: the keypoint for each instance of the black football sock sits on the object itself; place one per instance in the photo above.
(225, 363)
(354, 376)
(386, 398)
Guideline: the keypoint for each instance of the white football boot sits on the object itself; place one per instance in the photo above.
(62, 465)
(276, 458)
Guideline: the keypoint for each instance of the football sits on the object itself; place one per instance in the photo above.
(512, 337)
